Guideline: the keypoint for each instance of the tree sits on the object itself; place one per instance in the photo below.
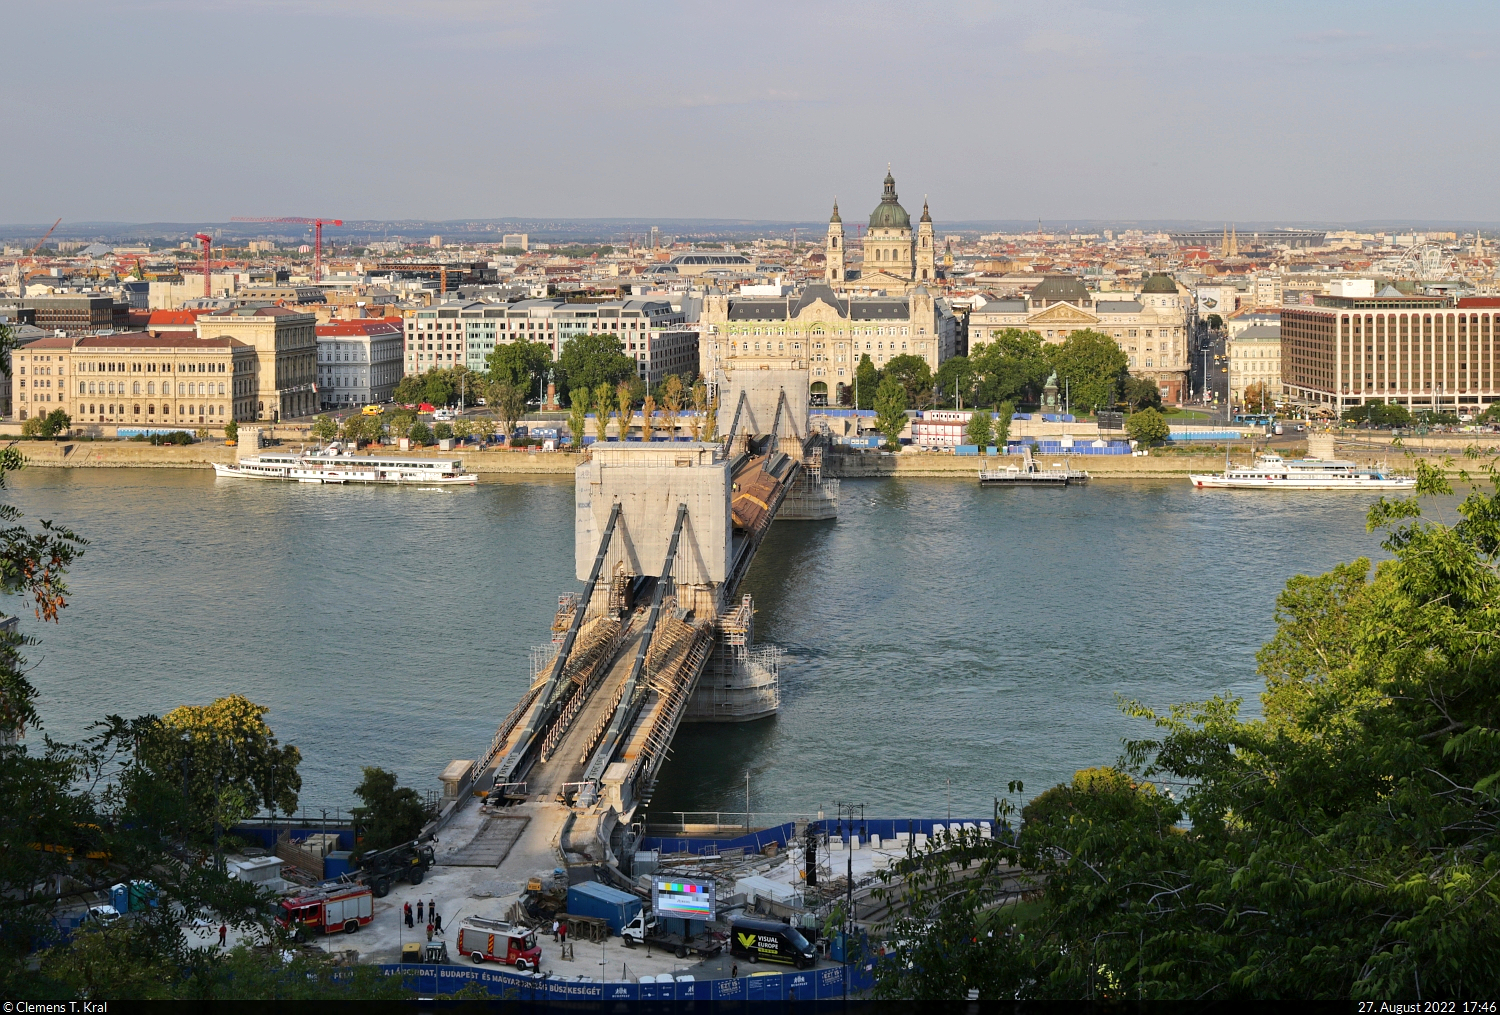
(408, 390)
(226, 757)
(866, 382)
(981, 429)
(1379, 414)
(521, 363)
(700, 409)
(440, 387)
(1214, 322)
(231, 431)
(648, 420)
(1257, 397)
(463, 429)
(509, 401)
(1147, 427)
(32, 427)
(402, 422)
(1093, 366)
(672, 391)
(578, 417)
(588, 361)
(604, 403)
(442, 432)
(391, 815)
(325, 428)
(420, 434)
(890, 410)
(915, 376)
(1002, 422)
(357, 428)
(484, 429)
(56, 422)
(955, 380)
(624, 396)
(1142, 393)
(1011, 365)
(1338, 845)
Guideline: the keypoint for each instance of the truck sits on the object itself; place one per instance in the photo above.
(645, 928)
(494, 941)
(381, 869)
(328, 909)
(614, 907)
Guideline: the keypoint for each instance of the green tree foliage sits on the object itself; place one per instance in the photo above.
(32, 427)
(463, 429)
(673, 391)
(521, 364)
(604, 407)
(484, 429)
(360, 429)
(391, 815)
(578, 417)
(1343, 844)
(890, 410)
(1147, 427)
(232, 431)
(956, 379)
(587, 361)
(325, 427)
(1002, 422)
(1142, 393)
(442, 431)
(402, 422)
(1380, 414)
(1094, 367)
(227, 760)
(980, 429)
(1012, 365)
(866, 382)
(56, 422)
(438, 387)
(915, 376)
(420, 434)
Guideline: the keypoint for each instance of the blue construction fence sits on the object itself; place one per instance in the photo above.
(781, 835)
(1051, 446)
(808, 985)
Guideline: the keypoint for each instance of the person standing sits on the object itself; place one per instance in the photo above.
(563, 932)
(554, 931)
(437, 920)
(407, 909)
(420, 917)
(223, 933)
(429, 932)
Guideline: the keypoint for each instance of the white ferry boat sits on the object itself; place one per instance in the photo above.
(336, 464)
(1272, 472)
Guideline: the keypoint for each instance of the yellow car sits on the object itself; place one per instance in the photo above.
(373, 410)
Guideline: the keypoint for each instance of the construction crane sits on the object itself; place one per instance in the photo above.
(31, 257)
(208, 246)
(317, 225)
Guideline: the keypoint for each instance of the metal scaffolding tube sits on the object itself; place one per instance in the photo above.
(628, 706)
(545, 709)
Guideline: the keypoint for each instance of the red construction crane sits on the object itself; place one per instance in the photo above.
(208, 244)
(44, 238)
(317, 225)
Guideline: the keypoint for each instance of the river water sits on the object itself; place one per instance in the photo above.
(941, 639)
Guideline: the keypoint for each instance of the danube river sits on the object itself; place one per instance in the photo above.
(941, 639)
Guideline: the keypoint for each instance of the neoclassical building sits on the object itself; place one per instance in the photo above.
(895, 259)
(1150, 326)
(824, 333)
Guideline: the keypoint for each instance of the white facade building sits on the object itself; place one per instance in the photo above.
(359, 362)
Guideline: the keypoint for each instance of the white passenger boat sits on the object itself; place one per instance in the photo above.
(336, 464)
(1272, 472)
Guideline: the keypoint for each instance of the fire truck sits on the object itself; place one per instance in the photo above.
(493, 941)
(329, 909)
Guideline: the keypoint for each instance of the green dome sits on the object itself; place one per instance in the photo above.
(1159, 283)
(889, 214)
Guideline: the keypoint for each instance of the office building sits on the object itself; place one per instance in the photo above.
(1418, 351)
(286, 349)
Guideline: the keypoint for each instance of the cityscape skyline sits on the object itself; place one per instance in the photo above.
(1001, 113)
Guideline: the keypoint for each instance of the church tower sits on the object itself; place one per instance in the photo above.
(926, 270)
(834, 249)
(888, 244)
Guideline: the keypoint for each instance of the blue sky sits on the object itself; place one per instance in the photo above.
(164, 110)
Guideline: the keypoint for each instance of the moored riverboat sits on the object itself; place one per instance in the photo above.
(1272, 472)
(336, 464)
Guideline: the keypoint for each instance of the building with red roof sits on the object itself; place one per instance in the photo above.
(359, 361)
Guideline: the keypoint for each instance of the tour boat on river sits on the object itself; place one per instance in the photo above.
(337, 464)
(1272, 472)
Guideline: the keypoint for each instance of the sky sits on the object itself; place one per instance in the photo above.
(1279, 113)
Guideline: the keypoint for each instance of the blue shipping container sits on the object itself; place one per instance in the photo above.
(617, 908)
(337, 864)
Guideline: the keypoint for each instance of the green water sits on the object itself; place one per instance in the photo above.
(941, 639)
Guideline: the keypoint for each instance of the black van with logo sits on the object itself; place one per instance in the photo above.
(770, 940)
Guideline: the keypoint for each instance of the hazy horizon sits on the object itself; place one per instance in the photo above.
(460, 110)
